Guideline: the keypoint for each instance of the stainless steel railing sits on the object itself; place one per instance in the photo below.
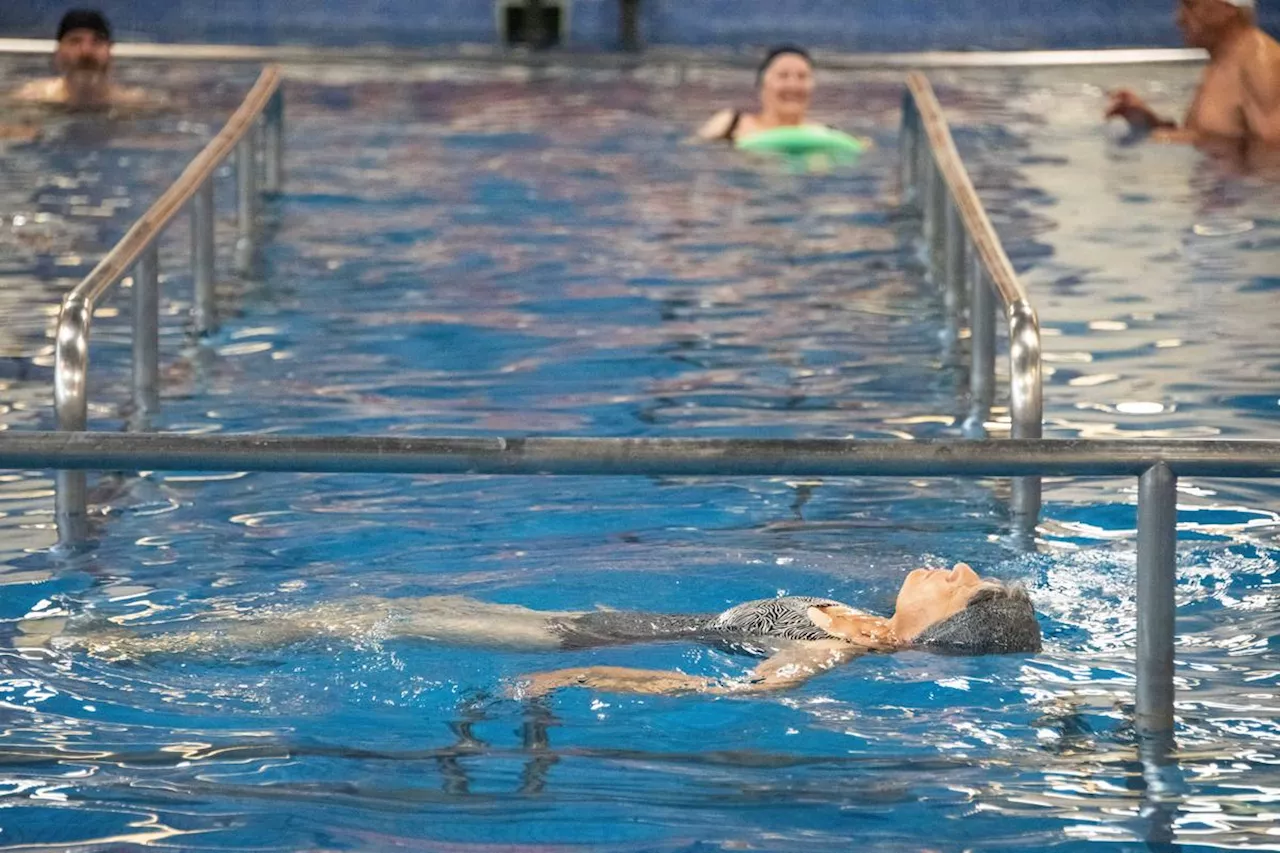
(654, 55)
(1156, 464)
(138, 250)
(964, 257)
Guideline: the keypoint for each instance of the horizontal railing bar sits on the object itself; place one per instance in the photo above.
(956, 175)
(125, 253)
(634, 456)
(651, 56)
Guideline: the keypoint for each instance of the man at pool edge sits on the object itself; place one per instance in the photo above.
(945, 610)
(83, 61)
(1239, 96)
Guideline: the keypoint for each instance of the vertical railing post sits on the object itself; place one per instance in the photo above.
(1162, 785)
(202, 259)
(71, 507)
(924, 157)
(928, 224)
(246, 207)
(1026, 403)
(982, 348)
(273, 130)
(146, 335)
(1157, 577)
(908, 154)
(940, 197)
(71, 406)
(954, 273)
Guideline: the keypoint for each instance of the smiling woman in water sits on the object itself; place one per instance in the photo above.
(785, 83)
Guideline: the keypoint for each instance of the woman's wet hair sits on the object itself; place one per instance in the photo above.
(997, 620)
(780, 50)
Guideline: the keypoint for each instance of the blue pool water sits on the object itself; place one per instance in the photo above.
(470, 252)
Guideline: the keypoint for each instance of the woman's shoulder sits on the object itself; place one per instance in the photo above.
(721, 125)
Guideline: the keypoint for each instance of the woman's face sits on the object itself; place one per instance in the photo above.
(928, 596)
(787, 87)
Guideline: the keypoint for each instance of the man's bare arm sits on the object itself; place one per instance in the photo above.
(1127, 105)
(1143, 120)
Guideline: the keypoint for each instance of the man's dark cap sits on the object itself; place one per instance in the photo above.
(84, 19)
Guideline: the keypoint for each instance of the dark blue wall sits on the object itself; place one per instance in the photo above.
(843, 24)
(888, 25)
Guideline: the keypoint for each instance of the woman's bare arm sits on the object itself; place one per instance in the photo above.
(788, 668)
(717, 126)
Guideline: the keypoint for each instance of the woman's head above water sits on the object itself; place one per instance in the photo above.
(785, 80)
(785, 83)
(951, 610)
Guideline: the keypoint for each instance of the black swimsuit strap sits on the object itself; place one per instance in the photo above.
(733, 126)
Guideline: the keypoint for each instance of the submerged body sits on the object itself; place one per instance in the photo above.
(754, 627)
(799, 636)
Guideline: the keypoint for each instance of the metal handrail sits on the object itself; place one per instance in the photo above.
(701, 57)
(138, 251)
(1157, 465)
(612, 457)
(964, 254)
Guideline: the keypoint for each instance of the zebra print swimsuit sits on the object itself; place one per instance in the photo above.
(744, 628)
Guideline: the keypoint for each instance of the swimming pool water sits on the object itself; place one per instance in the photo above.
(471, 252)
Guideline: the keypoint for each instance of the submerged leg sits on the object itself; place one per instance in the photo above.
(449, 619)
(352, 619)
(458, 620)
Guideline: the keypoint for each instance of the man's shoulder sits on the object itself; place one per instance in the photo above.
(49, 90)
(1259, 51)
(1260, 66)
